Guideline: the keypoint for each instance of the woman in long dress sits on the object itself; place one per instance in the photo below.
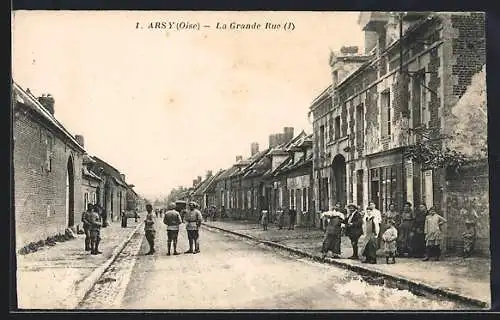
(333, 233)
(372, 228)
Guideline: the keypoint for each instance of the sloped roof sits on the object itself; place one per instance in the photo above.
(29, 100)
(111, 171)
(201, 188)
(89, 174)
(212, 183)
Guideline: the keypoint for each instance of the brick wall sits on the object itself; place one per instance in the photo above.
(40, 194)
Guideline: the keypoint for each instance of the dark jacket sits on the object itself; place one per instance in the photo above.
(355, 230)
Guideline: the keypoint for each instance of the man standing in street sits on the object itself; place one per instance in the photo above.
(149, 229)
(354, 228)
(95, 224)
(172, 219)
(86, 225)
(193, 220)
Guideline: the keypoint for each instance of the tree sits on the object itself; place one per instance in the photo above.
(469, 120)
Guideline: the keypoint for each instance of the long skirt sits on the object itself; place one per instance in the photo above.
(331, 243)
(418, 244)
(370, 250)
(124, 222)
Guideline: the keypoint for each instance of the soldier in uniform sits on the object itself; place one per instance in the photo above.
(95, 224)
(86, 225)
(149, 229)
(172, 219)
(193, 220)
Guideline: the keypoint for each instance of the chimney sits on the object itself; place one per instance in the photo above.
(349, 50)
(209, 173)
(47, 102)
(195, 182)
(280, 138)
(272, 141)
(254, 148)
(288, 134)
(199, 179)
(123, 176)
(239, 158)
(80, 140)
(371, 39)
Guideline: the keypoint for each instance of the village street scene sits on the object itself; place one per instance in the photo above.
(369, 190)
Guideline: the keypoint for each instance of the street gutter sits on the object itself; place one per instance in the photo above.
(86, 285)
(412, 285)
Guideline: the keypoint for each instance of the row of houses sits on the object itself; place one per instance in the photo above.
(54, 178)
(382, 132)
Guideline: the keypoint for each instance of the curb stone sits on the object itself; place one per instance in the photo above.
(86, 285)
(412, 285)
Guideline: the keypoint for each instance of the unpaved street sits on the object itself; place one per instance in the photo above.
(231, 273)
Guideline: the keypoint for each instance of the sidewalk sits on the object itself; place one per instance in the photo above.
(463, 279)
(58, 277)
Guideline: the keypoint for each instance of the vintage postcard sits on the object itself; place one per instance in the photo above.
(217, 160)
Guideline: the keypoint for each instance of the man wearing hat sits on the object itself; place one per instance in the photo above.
(172, 219)
(193, 220)
(354, 228)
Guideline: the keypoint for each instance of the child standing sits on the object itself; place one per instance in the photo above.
(264, 219)
(389, 237)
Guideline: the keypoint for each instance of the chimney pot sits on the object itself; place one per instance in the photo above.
(239, 158)
(81, 141)
(254, 148)
(123, 176)
(47, 102)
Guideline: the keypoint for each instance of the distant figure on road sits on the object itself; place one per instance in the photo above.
(95, 222)
(86, 225)
(149, 229)
(205, 214)
(172, 219)
(124, 219)
(193, 220)
(136, 214)
(281, 218)
(264, 219)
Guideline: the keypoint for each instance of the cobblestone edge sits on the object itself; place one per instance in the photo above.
(413, 285)
(86, 285)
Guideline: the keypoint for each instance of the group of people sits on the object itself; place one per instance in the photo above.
(173, 219)
(281, 214)
(416, 234)
(210, 212)
(92, 221)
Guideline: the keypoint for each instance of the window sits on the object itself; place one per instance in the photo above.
(85, 200)
(427, 192)
(322, 139)
(304, 200)
(249, 199)
(255, 192)
(280, 200)
(292, 198)
(419, 99)
(360, 125)
(385, 105)
(359, 188)
(385, 186)
(94, 198)
(330, 128)
(337, 128)
(222, 198)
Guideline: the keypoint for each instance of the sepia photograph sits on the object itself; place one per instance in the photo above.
(250, 160)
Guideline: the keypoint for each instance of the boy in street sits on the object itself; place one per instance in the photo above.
(172, 219)
(86, 225)
(95, 224)
(193, 222)
(149, 229)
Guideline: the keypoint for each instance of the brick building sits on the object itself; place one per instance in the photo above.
(90, 181)
(47, 164)
(112, 192)
(401, 96)
(291, 179)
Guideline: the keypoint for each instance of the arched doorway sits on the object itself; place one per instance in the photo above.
(70, 194)
(339, 187)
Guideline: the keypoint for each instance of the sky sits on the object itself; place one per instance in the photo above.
(164, 106)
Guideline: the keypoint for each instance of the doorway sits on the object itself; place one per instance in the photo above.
(339, 188)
